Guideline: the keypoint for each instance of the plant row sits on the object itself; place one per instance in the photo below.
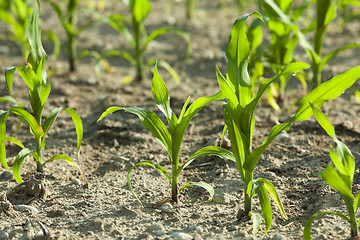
(241, 100)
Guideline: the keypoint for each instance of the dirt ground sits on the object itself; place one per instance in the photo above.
(102, 207)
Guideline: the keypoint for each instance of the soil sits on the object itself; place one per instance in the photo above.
(101, 206)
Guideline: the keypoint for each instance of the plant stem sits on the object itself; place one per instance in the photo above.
(174, 183)
(138, 52)
(39, 165)
(353, 223)
(248, 199)
(316, 81)
(72, 52)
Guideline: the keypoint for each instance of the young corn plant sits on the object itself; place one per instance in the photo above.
(68, 21)
(35, 77)
(339, 175)
(326, 12)
(283, 42)
(240, 121)
(16, 14)
(171, 140)
(138, 39)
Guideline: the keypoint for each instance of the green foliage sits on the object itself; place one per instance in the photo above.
(171, 139)
(240, 121)
(68, 20)
(137, 37)
(35, 77)
(16, 14)
(339, 175)
(283, 42)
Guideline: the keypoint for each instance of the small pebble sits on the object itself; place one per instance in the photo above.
(278, 236)
(222, 198)
(183, 210)
(181, 236)
(158, 233)
(243, 233)
(166, 207)
(4, 235)
(154, 227)
(76, 181)
(23, 208)
(219, 223)
(6, 176)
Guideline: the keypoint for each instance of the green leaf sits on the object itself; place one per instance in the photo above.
(237, 54)
(162, 97)
(194, 108)
(78, 125)
(264, 202)
(30, 120)
(151, 164)
(18, 162)
(204, 185)
(328, 90)
(15, 141)
(169, 69)
(323, 121)
(356, 201)
(140, 9)
(337, 162)
(347, 160)
(10, 99)
(50, 119)
(67, 159)
(9, 76)
(307, 227)
(207, 151)
(34, 35)
(271, 189)
(3, 118)
(256, 218)
(226, 88)
(334, 180)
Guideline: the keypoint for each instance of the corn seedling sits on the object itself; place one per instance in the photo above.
(16, 14)
(339, 175)
(68, 21)
(326, 11)
(171, 140)
(240, 121)
(137, 37)
(283, 42)
(35, 77)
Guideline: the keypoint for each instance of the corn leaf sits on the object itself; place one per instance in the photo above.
(337, 162)
(34, 35)
(323, 121)
(3, 118)
(264, 202)
(140, 9)
(271, 189)
(50, 119)
(334, 180)
(256, 218)
(10, 99)
(78, 125)
(307, 227)
(151, 164)
(237, 54)
(18, 162)
(207, 151)
(204, 185)
(15, 141)
(347, 160)
(30, 120)
(162, 98)
(328, 90)
(194, 108)
(67, 159)
(9, 76)
(356, 201)
(167, 67)
(150, 122)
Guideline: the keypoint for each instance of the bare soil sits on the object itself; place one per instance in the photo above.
(102, 207)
